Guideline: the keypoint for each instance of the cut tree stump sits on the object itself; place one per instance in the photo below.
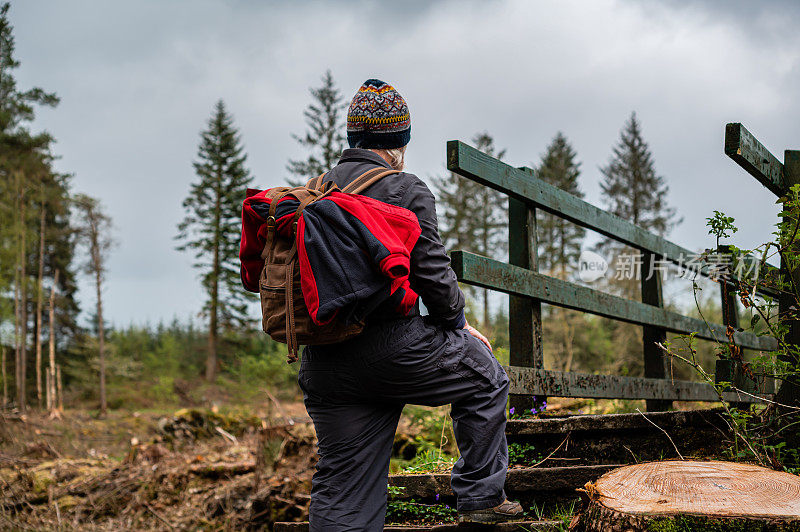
(691, 495)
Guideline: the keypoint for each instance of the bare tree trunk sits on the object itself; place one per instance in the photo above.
(21, 304)
(51, 390)
(562, 250)
(486, 317)
(211, 360)
(17, 377)
(101, 342)
(569, 347)
(5, 383)
(23, 335)
(59, 389)
(48, 382)
(569, 339)
(39, 296)
(95, 227)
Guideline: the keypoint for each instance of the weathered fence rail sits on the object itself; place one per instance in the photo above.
(528, 288)
(488, 273)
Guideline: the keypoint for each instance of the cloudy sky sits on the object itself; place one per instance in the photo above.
(138, 80)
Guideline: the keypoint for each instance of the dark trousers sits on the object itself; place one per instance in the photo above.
(355, 391)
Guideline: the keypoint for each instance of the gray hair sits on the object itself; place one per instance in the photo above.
(396, 157)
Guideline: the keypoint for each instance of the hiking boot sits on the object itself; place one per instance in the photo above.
(505, 511)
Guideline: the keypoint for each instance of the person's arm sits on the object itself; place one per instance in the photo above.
(431, 275)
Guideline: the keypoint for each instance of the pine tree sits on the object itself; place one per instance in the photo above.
(631, 188)
(26, 171)
(474, 217)
(15, 107)
(559, 240)
(560, 243)
(324, 139)
(212, 226)
(633, 191)
(93, 229)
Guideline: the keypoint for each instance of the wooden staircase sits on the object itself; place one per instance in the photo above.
(570, 451)
(517, 526)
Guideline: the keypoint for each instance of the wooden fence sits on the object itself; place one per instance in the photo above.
(528, 288)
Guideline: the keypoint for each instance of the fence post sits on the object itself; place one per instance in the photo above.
(730, 313)
(655, 361)
(524, 313)
(789, 393)
(729, 370)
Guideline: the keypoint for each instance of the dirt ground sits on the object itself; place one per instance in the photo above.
(191, 469)
(195, 469)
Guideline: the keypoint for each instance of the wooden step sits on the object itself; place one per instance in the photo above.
(614, 422)
(622, 438)
(596, 443)
(524, 484)
(516, 526)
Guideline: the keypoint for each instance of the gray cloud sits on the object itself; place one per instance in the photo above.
(138, 81)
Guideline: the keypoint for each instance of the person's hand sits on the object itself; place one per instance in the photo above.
(474, 332)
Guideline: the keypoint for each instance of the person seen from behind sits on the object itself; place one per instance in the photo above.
(355, 390)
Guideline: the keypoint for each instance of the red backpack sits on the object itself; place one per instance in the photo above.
(285, 316)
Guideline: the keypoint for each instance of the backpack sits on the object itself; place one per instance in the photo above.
(285, 316)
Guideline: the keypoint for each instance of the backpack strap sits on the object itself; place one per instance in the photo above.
(303, 204)
(291, 332)
(366, 179)
(354, 187)
(315, 183)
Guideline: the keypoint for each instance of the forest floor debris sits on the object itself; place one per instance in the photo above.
(190, 469)
(180, 474)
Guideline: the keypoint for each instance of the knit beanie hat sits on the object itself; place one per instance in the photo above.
(378, 117)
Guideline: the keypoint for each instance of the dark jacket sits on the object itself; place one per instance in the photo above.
(431, 275)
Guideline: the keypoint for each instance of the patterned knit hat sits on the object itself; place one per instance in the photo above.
(378, 117)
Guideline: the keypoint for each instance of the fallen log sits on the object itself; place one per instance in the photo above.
(691, 495)
(222, 469)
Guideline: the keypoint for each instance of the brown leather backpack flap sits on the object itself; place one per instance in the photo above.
(277, 259)
(273, 287)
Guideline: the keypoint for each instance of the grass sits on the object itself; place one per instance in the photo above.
(430, 461)
(523, 454)
(399, 511)
(425, 442)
